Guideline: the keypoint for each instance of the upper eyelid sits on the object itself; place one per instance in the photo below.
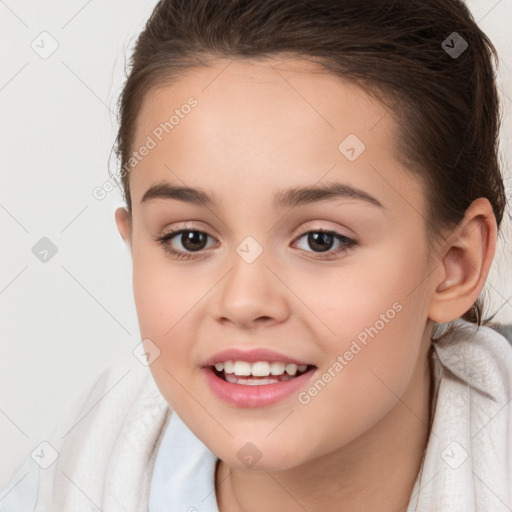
(304, 231)
(321, 229)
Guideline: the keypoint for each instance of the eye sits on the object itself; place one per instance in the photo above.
(190, 240)
(322, 241)
(193, 240)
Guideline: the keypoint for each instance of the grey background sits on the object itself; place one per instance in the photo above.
(65, 320)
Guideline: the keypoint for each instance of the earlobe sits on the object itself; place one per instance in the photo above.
(466, 262)
(124, 224)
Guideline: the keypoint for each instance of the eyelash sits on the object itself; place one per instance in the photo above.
(348, 243)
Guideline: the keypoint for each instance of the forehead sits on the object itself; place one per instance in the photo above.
(264, 122)
(264, 92)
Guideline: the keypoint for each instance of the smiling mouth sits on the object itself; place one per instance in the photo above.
(252, 380)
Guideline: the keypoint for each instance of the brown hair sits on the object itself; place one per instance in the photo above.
(446, 104)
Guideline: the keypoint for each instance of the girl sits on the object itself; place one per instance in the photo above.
(313, 198)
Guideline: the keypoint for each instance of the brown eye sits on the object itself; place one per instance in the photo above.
(193, 240)
(187, 241)
(322, 241)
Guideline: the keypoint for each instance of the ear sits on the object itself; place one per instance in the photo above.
(124, 224)
(465, 259)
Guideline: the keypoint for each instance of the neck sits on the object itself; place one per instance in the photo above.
(376, 471)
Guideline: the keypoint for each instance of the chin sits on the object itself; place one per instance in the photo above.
(261, 456)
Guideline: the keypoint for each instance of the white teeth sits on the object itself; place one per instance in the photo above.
(259, 368)
(242, 368)
(291, 369)
(277, 368)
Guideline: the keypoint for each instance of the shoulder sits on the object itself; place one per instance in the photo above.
(121, 408)
(479, 356)
(466, 465)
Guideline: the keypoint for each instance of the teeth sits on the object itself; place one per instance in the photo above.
(277, 368)
(259, 368)
(291, 369)
(242, 368)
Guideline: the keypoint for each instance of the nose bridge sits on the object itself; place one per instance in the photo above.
(248, 279)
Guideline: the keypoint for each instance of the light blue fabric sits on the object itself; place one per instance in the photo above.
(20, 494)
(184, 474)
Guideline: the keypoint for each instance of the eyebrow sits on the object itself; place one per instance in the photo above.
(288, 198)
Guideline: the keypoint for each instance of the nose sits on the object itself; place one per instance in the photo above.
(251, 294)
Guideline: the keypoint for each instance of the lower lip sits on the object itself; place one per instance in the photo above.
(254, 396)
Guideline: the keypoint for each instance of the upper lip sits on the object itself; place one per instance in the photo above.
(251, 356)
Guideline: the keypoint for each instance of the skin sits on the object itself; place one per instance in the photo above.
(261, 126)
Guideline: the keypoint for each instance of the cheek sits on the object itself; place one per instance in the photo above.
(166, 300)
(362, 376)
(376, 315)
(163, 291)
(342, 301)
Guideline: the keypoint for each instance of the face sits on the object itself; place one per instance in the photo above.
(336, 281)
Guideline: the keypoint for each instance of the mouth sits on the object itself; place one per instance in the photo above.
(260, 384)
(260, 373)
